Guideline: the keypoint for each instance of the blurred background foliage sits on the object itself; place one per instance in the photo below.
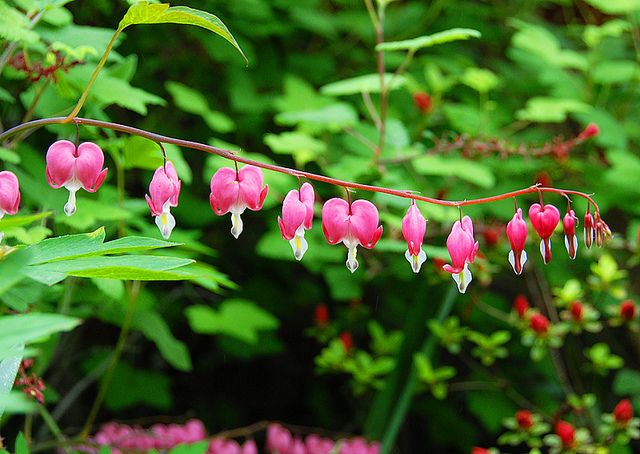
(252, 334)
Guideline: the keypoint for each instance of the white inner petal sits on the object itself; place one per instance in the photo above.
(70, 206)
(236, 224)
(166, 222)
(352, 263)
(463, 278)
(299, 244)
(575, 246)
(416, 261)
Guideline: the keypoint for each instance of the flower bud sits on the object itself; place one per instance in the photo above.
(628, 310)
(591, 130)
(539, 323)
(623, 412)
(589, 234)
(566, 432)
(524, 418)
(422, 101)
(521, 305)
(577, 310)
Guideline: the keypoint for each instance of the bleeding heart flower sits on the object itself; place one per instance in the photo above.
(570, 239)
(414, 227)
(544, 218)
(297, 216)
(589, 233)
(354, 225)
(462, 249)
(318, 445)
(517, 234)
(74, 168)
(9, 195)
(234, 192)
(164, 190)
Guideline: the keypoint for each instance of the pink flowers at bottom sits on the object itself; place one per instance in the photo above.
(353, 225)
(517, 234)
(74, 168)
(235, 191)
(164, 190)
(414, 227)
(462, 248)
(9, 195)
(297, 216)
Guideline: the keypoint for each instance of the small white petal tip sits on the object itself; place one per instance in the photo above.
(166, 222)
(70, 206)
(236, 225)
(416, 261)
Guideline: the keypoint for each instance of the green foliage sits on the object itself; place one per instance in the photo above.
(412, 45)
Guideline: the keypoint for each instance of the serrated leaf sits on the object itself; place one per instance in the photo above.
(446, 36)
(369, 83)
(145, 13)
(237, 318)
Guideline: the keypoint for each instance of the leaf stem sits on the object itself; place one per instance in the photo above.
(117, 353)
(93, 77)
(233, 156)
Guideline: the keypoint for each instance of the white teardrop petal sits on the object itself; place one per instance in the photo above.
(236, 225)
(166, 222)
(70, 206)
(299, 246)
(352, 262)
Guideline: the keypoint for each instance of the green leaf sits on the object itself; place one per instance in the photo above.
(21, 446)
(155, 328)
(333, 117)
(145, 13)
(480, 79)
(446, 36)
(369, 83)
(237, 318)
(17, 402)
(627, 381)
(22, 329)
(551, 110)
(19, 221)
(192, 101)
(199, 447)
(6, 97)
(302, 147)
(15, 26)
(615, 71)
(7, 155)
(13, 268)
(471, 171)
(131, 387)
(616, 7)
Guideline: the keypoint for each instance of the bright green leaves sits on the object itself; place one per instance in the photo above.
(616, 7)
(145, 13)
(602, 360)
(435, 379)
(446, 36)
(15, 26)
(192, 101)
(87, 255)
(27, 328)
(237, 318)
(369, 83)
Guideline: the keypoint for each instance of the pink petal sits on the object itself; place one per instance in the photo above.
(252, 193)
(224, 190)
(293, 214)
(364, 223)
(89, 166)
(164, 187)
(9, 192)
(61, 161)
(335, 220)
(307, 196)
(414, 227)
(460, 246)
(517, 231)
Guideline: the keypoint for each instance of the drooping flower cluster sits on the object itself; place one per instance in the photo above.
(343, 221)
(281, 441)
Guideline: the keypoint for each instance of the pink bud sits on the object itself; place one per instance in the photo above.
(590, 131)
(74, 168)
(544, 218)
(318, 445)
(589, 233)
(462, 249)
(297, 447)
(234, 192)
(414, 227)
(249, 447)
(9, 195)
(517, 234)
(570, 239)
(354, 225)
(297, 216)
(278, 439)
(164, 190)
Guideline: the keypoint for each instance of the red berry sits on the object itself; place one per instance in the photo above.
(521, 305)
(422, 101)
(623, 411)
(628, 310)
(539, 323)
(566, 432)
(478, 450)
(524, 419)
(321, 315)
(347, 341)
(577, 310)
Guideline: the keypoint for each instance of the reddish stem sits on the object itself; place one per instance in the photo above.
(407, 194)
